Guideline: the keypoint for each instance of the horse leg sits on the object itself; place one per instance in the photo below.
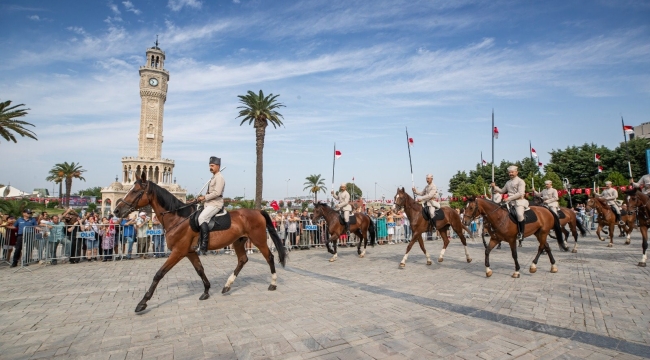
(171, 261)
(574, 232)
(612, 228)
(268, 255)
(328, 241)
(550, 257)
(600, 226)
(336, 255)
(445, 243)
(242, 259)
(463, 240)
(363, 237)
(421, 242)
(414, 238)
(628, 231)
(196, 262)
(513, 250)
(566, 236)
(493, 243)
(644, 245)
(533, 266)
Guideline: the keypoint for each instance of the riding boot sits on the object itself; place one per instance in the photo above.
(618, 218)
(520, 235)
(347, 228)
(205, 236)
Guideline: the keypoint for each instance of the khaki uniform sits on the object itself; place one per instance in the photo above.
(551, 199)
(344, 204)
(496, 197)
(610, 195)
(645, 181)
(213, 198)
(428, 197)
(516, 190)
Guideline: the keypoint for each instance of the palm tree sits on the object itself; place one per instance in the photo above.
(56, 176)
(259, 111)
(67, 172)
(315, 184)
(14, 207)
(9, 124)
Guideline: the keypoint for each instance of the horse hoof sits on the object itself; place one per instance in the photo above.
(516, 275)
(225, 289)
(488, 273)
(469, 260)
(361, 255)
(601, 239)
(140, 307)
(205, 296)
(610, 245)
(272, 287)
(574, 251)
(440, 259)
(553, 269)
(330, 251)
(533, 269)
(429, 262)
(402, 265)
(627, 242)
(332, 260)
(641, 264)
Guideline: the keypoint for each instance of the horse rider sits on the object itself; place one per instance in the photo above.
(644, 182)
(516, 190)
(429, 196)
(610, 195)
(550, 197)
(213, 201)
(343, 198)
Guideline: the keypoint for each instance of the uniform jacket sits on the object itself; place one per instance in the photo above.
(610, 195)
(214, 195)
(429, 195)
(516, 189)
(344, 201)
(550, 197)
(645, 181)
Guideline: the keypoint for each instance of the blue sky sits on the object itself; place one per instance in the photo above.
(351, 72)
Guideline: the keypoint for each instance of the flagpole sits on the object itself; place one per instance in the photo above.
(333, 164)
(408, 145)
(627, 150)
(532, 180)
(492, 132)
(481, 158)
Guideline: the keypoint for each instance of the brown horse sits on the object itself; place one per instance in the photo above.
(419, 225)
(606, 217)
(336, 229)
(641, 202)
(571, 219)
(506, 230)
(629, 218)
(173, 214)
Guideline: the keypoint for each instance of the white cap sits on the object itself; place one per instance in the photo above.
(344, 185)
(548, 182)
(142, 213)
(608, 182)
(429, 176)
(513, 168)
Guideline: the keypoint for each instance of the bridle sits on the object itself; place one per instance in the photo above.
(132, 205)
(476, 213)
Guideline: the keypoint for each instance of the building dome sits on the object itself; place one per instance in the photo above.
(116, 186)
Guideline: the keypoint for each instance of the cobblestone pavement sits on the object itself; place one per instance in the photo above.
(596, 307)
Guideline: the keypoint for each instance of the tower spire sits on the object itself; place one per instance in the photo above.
(156, 41)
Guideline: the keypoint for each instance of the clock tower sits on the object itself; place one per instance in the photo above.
(153, 94)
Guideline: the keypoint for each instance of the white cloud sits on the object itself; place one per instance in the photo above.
(114, 8)
(236, 1)
(34, 17)
(177, 5)
(77, 29)
(130, 7)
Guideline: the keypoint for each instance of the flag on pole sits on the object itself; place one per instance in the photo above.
(539, 164)
(484, 162)
(596, 157)
(629, 129)
(600, 169)
(274, 205)
(410, 141)
(495, 133)
(337, 153)
(533, 152)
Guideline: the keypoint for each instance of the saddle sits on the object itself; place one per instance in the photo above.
(529, 215)
(220, 221)
(561, 214)
(624, 212)
(353, 219)
(438, 215)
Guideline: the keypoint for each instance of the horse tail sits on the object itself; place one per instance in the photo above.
(558, 232)
(282, 253)
(373, 234)
(581, 227)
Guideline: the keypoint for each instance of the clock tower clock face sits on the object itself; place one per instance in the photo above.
(153, 82)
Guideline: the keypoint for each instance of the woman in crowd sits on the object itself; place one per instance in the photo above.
(390, 219)
(381, 226)
(92, 244)
(10, 234)
(108, 239)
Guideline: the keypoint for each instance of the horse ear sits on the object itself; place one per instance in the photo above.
(143, 177)
(403, 189)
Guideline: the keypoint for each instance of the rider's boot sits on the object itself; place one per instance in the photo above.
(520, 235)
(204, 238)
(347, 228)
(618, 218)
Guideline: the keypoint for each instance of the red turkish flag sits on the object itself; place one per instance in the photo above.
(579, 191)
(274, 205)
(588, 191)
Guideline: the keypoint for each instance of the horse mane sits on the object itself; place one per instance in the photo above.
(411, 200)
(169, 202)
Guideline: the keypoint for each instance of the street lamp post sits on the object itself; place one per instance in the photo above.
(288, 187)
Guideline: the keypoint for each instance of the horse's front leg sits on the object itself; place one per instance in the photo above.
(598, 229)
(644, 245)
(334, 245)
(414, 238)
(172, 260)
(196, 262)
(611, 236)
(362, 238)
(493, 243)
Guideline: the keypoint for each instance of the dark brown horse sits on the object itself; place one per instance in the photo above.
(419, 225)
(606, 217)
(336, 229)
(506, 230)
(641, 202)
(570, 219)
(173, 215)
(629, 218)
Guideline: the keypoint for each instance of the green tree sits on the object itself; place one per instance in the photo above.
(464, 190)
(56, 176)
(315, 184)
(617, 178)
(68, 172)
(259, 111)
(92, 191)
(10, 124)
(15, 207)
(190, 197)
(618, 159)
(456, 180)
(577, 164)
(354, 190)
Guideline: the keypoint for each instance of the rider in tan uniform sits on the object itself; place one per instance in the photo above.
(550, 197)
(644, 182)
(429, 196)
(516, 190)
(610, 195)
(343, 198)
(213, 201)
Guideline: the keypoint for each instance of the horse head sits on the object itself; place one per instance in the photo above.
(135, 199)
(472, 210)
(319, 212)
(399, 201)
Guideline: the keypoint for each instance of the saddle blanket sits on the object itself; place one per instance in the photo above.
(221, 221)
